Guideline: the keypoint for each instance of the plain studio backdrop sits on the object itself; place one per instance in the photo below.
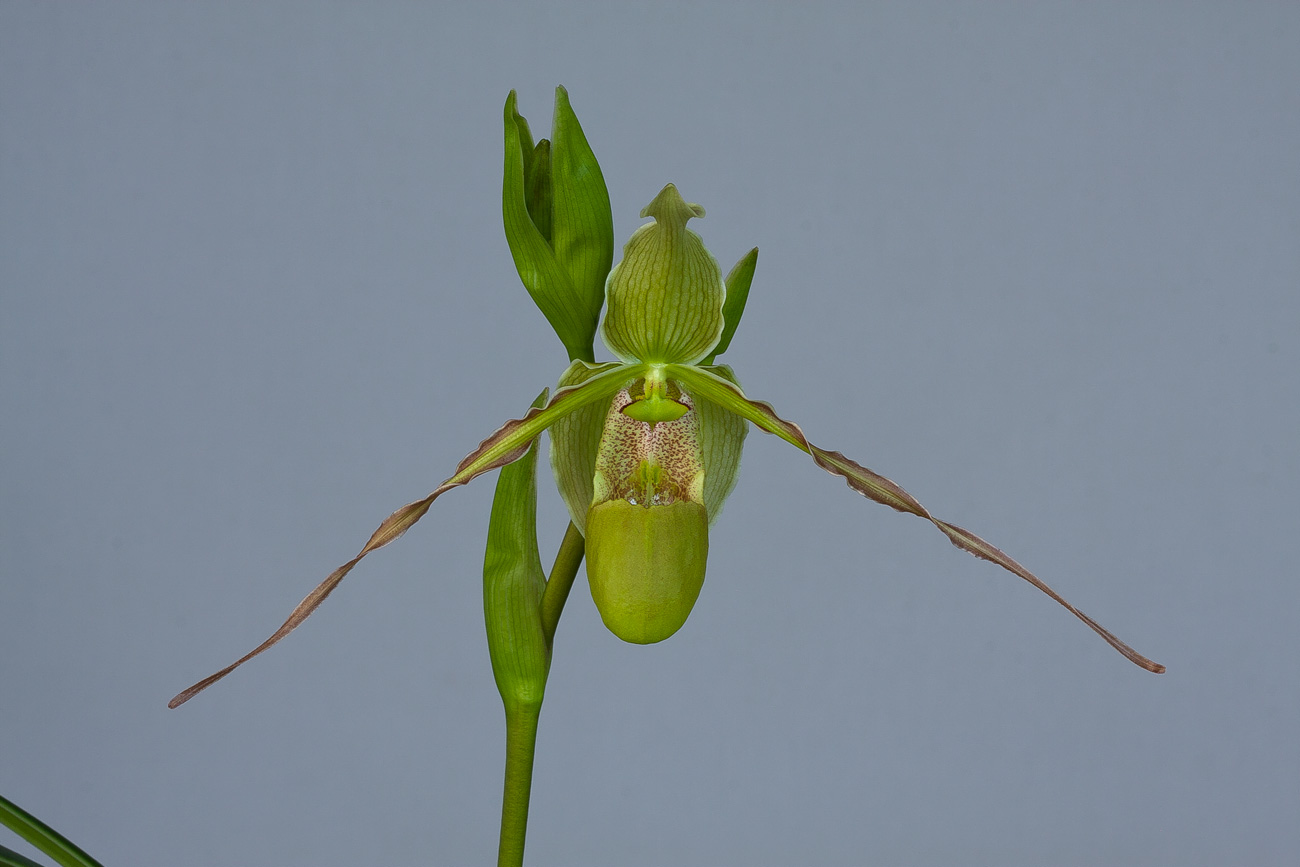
(1037, 263)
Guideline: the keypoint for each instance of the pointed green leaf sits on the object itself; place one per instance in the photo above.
(575, 440)
(734, 307)
(10, 858)
(722, 438)
(42, 836)
(583, 225)
(507, 444)
(513, 584)
(665, 297)
(538, 188)
(878, 488)
(545, 279)
(523, 135)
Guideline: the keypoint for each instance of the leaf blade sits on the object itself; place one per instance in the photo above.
(42, 836)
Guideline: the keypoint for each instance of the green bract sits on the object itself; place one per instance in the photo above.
(645, 449)
(558, 223)
(513, 585)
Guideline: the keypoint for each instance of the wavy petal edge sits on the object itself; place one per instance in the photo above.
(505, 445)
(879, 489)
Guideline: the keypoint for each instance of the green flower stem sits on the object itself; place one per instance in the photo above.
(521, 742)
(521, 720)
(567, 560)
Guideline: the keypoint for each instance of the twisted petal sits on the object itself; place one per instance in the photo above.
(878, 488)
(508, 443)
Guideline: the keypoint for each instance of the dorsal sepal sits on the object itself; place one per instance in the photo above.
(665, 297)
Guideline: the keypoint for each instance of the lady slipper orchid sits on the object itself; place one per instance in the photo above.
(644, 449)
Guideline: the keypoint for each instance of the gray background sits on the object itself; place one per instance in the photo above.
(1037, 263)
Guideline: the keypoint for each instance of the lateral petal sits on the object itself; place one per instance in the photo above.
(507, 444)
(876, 487)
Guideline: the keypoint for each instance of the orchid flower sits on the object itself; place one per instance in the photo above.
(645, 449)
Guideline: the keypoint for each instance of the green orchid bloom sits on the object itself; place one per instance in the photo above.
(645, 449)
